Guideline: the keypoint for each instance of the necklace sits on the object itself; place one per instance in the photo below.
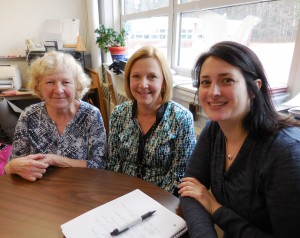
(231, 156)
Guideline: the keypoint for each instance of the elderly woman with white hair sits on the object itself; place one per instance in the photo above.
(61, 130)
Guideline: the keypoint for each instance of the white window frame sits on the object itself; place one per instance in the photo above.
(173, 12)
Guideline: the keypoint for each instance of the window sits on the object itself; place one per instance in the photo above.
(149, 31)
(134, 6)
(185, 28)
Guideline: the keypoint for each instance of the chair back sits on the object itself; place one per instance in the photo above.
(112, 87)
(100, 99)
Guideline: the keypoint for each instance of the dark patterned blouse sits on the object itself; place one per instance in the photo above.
(83, 138)
(161, 155)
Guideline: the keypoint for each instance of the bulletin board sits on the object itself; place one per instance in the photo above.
(24, 19)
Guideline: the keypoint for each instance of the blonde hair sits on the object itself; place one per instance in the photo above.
(150, 52)
(56, 62)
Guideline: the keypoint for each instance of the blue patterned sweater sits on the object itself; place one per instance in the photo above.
(83, 138)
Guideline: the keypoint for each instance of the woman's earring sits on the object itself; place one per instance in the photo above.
(163, 90)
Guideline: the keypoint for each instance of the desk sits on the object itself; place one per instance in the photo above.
(37, 209)
(21, 100)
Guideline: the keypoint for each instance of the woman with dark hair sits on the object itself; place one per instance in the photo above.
(247, 154)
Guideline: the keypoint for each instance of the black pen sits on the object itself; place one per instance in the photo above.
(126, 227)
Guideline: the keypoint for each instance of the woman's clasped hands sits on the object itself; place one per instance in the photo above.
(30, 167)
(191, 187)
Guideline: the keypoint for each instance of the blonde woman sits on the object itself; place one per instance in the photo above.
(150, 136)
(62, 130)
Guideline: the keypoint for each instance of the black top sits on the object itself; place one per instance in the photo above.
(259, 194)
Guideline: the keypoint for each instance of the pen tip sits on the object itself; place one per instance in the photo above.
(114, 232)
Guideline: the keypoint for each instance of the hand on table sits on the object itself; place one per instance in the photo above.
(29, 167)
(191, 187)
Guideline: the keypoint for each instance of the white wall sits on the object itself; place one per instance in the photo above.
(22, 19)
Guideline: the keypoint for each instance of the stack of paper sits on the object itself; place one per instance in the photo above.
(295, 111)
(101, 221)
(294, 102)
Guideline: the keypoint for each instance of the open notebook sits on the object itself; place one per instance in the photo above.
(102, 220)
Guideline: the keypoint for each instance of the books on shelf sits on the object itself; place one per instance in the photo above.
(103, 220)
(15, 92)
(278, 90)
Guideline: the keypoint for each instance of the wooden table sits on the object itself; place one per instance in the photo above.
(37, 209)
